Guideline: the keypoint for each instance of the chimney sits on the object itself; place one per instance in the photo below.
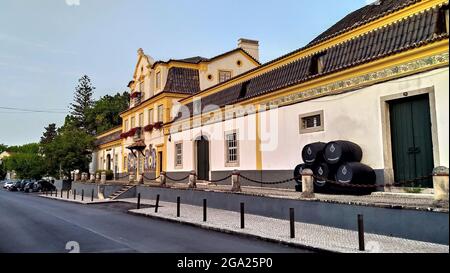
(250, 46)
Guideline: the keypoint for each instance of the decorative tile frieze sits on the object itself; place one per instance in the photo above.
(363, 80)
(330, 89)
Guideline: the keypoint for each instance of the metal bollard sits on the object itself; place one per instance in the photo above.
(362, 246)
(56, 193)
(68, 192)
(242, 215)
(92, 195)
(139, 201)
(178, 206)
(157, 203)
(204, 210)
(74, 194)
(292, 221)
(82, 195)
(61, 194)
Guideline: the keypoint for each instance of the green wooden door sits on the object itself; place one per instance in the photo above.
(203, 159)
(412, 147)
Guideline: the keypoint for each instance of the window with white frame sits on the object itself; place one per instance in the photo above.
(311, 122)
(161, 113)
(178, 154)
(141, 120)
(232, 148)
(224, 75)
(150, 116)
(132, 122)
(158, 80)
(126, 125)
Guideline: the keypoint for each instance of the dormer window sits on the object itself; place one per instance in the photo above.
(158, 80)
(197, 106)
(317, 64)
(224, 75)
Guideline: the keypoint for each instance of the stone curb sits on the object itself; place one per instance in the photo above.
(78, 201)
(234, 232)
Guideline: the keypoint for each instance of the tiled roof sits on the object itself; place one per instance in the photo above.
(182, 80)
(108, 138)
(193, 60)
(199, 59)
(362, 16)
(415, 31)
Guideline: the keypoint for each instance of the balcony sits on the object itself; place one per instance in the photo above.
(136, 99)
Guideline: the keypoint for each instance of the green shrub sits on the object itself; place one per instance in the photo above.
(109, 174)
(413, 190)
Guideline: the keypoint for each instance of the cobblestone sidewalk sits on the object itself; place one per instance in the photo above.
(86, 200)
(307, 235)
(406, 201)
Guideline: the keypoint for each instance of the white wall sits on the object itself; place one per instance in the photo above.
(356, 116)
(228, 62)
(215, 133)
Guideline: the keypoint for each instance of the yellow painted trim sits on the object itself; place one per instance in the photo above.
(113, 130)
(110, 144)
(155, 100)
(411, 55)
(386, 20)
(394, 60)
(183, 65)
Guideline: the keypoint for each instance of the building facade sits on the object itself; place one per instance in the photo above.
(379, 78)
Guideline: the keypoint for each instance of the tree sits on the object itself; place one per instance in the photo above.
(70, 150)
(26, 165)
(104, 115)
(31, 148)
(3, 148)
(49, 134)
(83, 102)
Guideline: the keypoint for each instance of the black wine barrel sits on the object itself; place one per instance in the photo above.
(322, 173)
(298, 172)
(338, 152)
(356, 173)
(313, 153)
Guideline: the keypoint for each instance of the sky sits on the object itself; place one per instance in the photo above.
(47, 45)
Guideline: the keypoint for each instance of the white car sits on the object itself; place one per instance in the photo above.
(8, 184)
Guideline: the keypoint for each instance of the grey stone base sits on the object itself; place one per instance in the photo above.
(273, 176)
(404, 223)
(177, 176)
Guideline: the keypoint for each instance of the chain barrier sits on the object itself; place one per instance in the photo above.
(177, 180)
(145, 177)
(122, 177)
(219, 180)
(268, 183)
(397, 184)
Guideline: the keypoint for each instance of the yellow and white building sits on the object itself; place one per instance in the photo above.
(379, 78)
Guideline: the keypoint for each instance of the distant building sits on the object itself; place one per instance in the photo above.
(379, 78)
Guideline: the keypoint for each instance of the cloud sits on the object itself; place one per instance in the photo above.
(73, 2)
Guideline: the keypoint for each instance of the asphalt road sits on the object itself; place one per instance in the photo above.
(29, 223)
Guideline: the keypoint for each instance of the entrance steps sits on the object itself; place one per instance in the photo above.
(123, 190)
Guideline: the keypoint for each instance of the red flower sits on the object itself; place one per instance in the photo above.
(158, 125)
(135, 94)
(123, 135)
(148, 128)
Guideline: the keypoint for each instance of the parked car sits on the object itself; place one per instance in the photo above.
(43, 185)
(15, 186)
(30, 187)
(8, 184)
(22, 184)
